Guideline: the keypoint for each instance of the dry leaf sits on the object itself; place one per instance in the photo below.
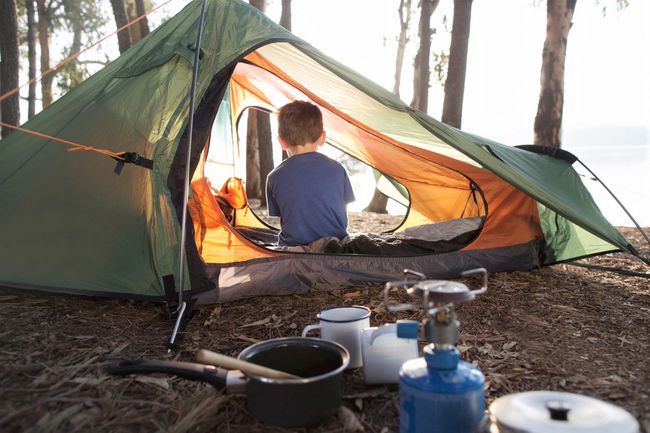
(350, 421)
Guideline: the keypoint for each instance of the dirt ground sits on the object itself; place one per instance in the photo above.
(562, 328)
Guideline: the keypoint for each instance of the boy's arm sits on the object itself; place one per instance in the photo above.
(348, 193)
(273, 208)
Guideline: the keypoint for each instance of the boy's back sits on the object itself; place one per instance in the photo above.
(309, 191)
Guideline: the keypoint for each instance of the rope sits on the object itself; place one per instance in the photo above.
(73, 146)
(74, 56)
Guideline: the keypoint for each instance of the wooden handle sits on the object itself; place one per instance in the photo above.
(213, 358)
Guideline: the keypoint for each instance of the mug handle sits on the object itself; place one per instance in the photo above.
(309, 328)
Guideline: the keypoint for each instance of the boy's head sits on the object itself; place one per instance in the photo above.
(300, 123)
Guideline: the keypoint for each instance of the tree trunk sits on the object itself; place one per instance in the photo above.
(285, 16)
(404, 21)
(265, 152)
(285, 21)
(136, 9)
(10, 106)
(548, 121)
(31, 56)
(379, 200)
(253, 178)
(452, 110)
(422, 71)
(143, 24)
(259, 148)
(44, 43)
(124, 36)
(258, 4)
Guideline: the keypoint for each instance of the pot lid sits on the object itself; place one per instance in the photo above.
(560, 412)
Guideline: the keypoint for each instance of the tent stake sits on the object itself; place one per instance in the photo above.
(181, 271)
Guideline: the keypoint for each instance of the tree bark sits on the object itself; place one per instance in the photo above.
(259, 4)
(253, 178)
(44, 43)
(452, 110)
(10, 106)
(548, 121)
(404, 11)
(285, 16)
(379, 200)
(143, 24)
(31, 57)
(422, 71)
(124, 36)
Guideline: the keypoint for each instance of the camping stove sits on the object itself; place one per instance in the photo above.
(439, 392)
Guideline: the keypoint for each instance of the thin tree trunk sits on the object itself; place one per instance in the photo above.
(452, 109)
(253, 178)
(285, 21)
(379, 200)
(548, 121)
(258, 4)
(259, 161)
(404, 21)
(143, 23)
(10, 106)
(44, 43)
(422, 71)
(31, 56)
(285, 16)
(123, 37)
(265, 152)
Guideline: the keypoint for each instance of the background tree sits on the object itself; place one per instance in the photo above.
(422, 71)
(285, 21)
(259, 144)
(548, 121)
(379, 200)
(30, 11)
(123, 37)
(9, 64)
(452, 110)
(44, 24)
(285, 16)
(135, 9)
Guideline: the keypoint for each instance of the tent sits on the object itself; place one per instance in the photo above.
(86, 222)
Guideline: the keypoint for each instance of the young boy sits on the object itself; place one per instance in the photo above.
(308, 190)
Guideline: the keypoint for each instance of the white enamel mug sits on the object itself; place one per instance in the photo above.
(384, 353)
(343, 325)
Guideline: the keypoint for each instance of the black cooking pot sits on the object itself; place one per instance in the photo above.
(281, 402)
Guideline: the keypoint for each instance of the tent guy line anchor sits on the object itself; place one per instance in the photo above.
(182, 304)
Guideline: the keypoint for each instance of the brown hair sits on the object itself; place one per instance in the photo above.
(299, 123)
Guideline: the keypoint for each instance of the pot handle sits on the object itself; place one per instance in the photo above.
(188, 370)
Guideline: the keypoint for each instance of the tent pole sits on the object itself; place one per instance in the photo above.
(617, 201)
(182, 304)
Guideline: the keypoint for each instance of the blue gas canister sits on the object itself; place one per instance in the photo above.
(439, 392)
(435, 398)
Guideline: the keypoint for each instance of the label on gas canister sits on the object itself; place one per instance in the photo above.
(429, 412)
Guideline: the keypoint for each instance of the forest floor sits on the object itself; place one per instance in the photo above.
(562, 328)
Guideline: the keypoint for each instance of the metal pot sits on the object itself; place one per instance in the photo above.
(281, 402)
(555, 412)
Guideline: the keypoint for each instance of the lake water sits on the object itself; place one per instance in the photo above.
(625, 169)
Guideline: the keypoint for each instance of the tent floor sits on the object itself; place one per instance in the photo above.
(561, 328)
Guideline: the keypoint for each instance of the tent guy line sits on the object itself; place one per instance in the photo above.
(77, 54)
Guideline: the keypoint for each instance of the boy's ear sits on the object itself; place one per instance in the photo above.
(283, 144)
(321, 139)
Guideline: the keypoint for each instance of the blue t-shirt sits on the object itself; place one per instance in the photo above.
(309, 192)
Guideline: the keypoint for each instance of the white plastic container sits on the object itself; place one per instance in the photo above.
(384, 353)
